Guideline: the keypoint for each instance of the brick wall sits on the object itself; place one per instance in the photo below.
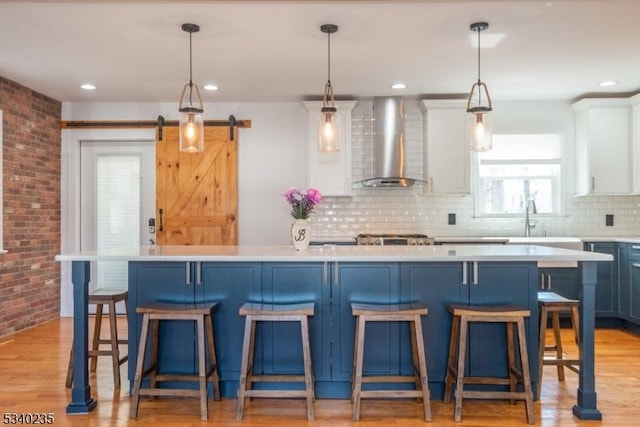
(29, 275)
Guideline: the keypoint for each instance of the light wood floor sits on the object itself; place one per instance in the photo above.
(33, 367)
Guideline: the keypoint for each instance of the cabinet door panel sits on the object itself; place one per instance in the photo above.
(365, 283)
(279, 343)
(435, 285)
(502, 283)
(162, 282)
(231, 285)
(634, 290)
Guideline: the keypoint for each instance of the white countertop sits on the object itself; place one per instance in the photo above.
(433, 253)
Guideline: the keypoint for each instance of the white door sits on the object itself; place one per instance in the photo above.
(117, 198)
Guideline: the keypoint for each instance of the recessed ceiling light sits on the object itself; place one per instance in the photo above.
(398, 86)
(210, 87)
(607, 83)
(88, 86)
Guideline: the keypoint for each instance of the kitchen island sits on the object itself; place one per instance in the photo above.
(332, 277)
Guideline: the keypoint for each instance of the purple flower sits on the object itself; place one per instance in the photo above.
(302, 203)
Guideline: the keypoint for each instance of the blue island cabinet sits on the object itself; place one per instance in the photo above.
(439, 284)
(231, 284)
(333, 286)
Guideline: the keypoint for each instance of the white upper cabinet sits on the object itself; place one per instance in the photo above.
(603, 146)
(446, 157)
(634, 102)
(330, 172)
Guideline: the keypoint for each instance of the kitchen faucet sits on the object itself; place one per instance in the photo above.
(528, 225)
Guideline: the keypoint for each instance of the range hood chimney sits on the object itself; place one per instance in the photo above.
(389, 149)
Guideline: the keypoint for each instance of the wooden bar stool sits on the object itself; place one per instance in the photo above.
(202, 314)
(511, 316)
(408, 312)
(100, 297)
(257, 312)
(550, 302)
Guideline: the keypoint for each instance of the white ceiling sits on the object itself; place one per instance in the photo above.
(259, 51)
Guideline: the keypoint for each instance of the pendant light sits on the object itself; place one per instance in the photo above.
(329, 121)
(191, 122)
(479, 124)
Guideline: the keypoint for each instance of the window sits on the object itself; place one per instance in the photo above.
(520, 170)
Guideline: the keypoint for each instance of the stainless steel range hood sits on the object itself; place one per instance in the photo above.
(389, 144)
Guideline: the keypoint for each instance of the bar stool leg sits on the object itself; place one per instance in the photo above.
(418, 343)
(555, 320)
(511, 357)
(353, 366)
(541, 347)
(202, 371)
(115, 350)
(526, 377)
(308, 373)
(95, 344)
(211, 347)
(244, 366)
(359, 347)
(462, 350)
(453, 348)
(137, 380)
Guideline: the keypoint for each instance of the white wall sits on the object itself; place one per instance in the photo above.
(272, 157)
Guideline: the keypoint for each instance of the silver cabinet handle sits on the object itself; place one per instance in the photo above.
(465, 272)
(188, 278)
(592, 246)
(336, 274)
(325, 273)
(475, 273)
(635, 247)
(635, 265)
(541, 280)
(198, 273)
(549, 281)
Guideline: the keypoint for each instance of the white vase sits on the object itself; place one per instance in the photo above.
(301, 234)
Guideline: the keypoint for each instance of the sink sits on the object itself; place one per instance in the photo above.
(556, 242)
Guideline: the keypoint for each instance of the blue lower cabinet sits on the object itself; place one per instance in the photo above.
(439, 284)
(364, 283)
(332, 287)
(279, 344)
(231, 284)
(162, 282)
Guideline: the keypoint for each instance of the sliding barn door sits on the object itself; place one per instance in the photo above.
(197, 194)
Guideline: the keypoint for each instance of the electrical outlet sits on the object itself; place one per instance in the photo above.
(452, 219)
(608, 220)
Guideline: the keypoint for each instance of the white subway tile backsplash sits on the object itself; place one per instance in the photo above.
(412, 210)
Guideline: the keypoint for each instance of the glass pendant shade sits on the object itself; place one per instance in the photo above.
(191, 124)
(191, 132)
(479, 126)
(329, 120)
(479, 131)
(329, 130)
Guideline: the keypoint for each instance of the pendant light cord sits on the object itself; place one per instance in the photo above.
(329, 57)
(190, 70)
(479, 81)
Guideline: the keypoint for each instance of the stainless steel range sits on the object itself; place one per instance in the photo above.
(393, 239)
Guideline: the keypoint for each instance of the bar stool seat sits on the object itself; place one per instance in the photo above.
(258, 312)
(511, 316)
(153, 313)
(101, 297)
(407, 312)
(551, 302)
